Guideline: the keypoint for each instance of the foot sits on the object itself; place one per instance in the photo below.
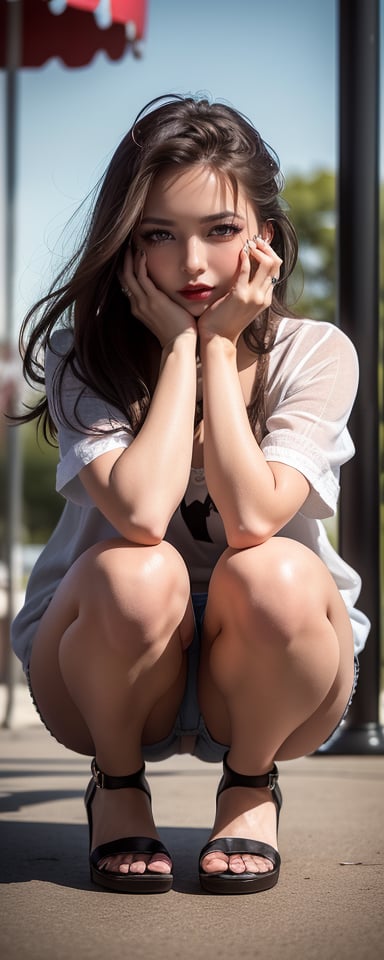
(243, 812)
(121, 813)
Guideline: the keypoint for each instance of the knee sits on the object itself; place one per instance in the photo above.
(278, 584)
(142, 589)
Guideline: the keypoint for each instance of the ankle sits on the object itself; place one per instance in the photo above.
(242, 766)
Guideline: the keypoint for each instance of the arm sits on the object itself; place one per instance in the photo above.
(255, 498)
(139, 489)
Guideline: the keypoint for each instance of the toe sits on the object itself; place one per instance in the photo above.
(237, 864)
(118, 864)
(128, 863)
(137, 866)
(160, 864)
(257, 864)
(216, 862)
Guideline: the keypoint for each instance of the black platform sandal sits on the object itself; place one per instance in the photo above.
(148, 882)
(227, 882)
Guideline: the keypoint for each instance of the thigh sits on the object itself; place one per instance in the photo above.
(55, 706)
(286, 586)
(323, 722)
(81, 604)
(75, 596)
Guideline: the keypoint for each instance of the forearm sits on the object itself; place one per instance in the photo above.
(155, 468)
(252, 501)
(148, 480)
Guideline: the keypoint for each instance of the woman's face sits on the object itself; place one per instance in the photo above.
(192, 235)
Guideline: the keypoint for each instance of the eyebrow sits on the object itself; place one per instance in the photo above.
(213, 216)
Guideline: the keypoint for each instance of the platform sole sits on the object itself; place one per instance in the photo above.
(143, 883)
(225, 883)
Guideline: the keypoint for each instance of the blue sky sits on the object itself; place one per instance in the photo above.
(273, 59)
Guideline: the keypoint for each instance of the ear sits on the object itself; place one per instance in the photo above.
(268, 231)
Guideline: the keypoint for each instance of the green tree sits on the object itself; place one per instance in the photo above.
(41, 505)
(311, 206)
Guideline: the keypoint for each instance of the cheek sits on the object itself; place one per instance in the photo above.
(227, 260)
(157, 267)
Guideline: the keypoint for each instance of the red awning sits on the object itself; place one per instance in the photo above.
(74, 36)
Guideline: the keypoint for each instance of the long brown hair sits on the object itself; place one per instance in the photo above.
(113, 352)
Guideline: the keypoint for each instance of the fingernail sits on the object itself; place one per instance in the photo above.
(246, 247)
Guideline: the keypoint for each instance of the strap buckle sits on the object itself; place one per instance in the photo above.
(273, 777)
(98, 775)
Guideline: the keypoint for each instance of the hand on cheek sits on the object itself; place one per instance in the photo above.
(250, 294)
(166, 319)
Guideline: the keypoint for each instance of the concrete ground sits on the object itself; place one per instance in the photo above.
(328, 905)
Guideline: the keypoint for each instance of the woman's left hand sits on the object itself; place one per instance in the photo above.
(259, 270)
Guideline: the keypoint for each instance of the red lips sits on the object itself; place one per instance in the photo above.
(195, 286)
(197, 291)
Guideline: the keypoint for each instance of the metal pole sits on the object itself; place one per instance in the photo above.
(13, 466)
(358, 251)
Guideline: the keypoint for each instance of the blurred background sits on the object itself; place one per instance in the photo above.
(276, 61)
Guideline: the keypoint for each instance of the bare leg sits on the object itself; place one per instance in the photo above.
(108, 671)
(276, 674)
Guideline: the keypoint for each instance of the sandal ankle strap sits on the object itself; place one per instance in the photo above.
(231, 778)
(106, 782)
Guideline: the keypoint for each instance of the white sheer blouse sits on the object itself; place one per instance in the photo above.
(312, 384)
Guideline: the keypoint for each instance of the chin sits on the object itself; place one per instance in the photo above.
(198, 310)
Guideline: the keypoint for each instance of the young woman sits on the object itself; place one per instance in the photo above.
(189, 599)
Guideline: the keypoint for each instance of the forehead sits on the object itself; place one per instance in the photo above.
(197, 189)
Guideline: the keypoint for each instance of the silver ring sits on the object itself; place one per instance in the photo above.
(126, 292)
(274, 280)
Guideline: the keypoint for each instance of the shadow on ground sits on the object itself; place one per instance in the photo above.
(57, 853)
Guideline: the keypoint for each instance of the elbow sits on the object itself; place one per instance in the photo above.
(148, 531)
(242, 537)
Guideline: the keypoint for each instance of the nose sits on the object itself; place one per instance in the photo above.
(194, 260)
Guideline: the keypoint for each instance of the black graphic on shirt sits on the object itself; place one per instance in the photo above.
(195, 517)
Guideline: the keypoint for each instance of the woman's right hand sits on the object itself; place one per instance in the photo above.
(166, 319)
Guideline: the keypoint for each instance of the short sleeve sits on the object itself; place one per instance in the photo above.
(87, 425)
(312, 388)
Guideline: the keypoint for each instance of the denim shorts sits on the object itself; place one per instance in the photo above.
(190, 734)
